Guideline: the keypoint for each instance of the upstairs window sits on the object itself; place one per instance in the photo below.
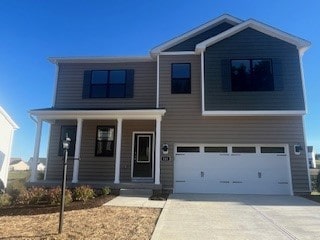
(108, 84)
(181, 78)
(252, 75)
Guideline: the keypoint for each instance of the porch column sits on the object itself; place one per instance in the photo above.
(157, 158)
(33, 177)
(118, 151)
(77, 151)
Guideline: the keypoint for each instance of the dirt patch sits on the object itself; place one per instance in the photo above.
(104, 222)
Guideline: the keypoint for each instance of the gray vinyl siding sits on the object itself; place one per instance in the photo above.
(91, 167)
(70, 84)
(251, 44)
(189, 44)
(55, 162)
(183, 123)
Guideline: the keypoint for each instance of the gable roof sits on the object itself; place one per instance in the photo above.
(224, 18)
(8, 118)
(301, 44)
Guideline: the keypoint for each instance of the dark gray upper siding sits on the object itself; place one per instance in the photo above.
(183, 123)
(70, 84)
(189, 44)
(251, 44)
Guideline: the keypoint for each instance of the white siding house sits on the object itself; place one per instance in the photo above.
(7, 127)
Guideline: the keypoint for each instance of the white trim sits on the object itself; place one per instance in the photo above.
(47, 156)
(8, 118)
(118, 151)
(157, 151)
(98, 114)
(306, 151)
(106, 59)
(158, 81)
(301, 52)
(255, 113)
(261, 27)
(178, 53)
(202, 82)
(6, 163)
(75, 174)
(33, 177)
(224, 18)
(132, 154)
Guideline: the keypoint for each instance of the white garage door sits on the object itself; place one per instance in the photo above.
(239, 169)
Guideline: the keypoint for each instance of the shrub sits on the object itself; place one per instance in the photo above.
(16, 188)
(5, 200)
(105, 191)
(102, 191)
(54, 196)
(83, 193)
(33, 195)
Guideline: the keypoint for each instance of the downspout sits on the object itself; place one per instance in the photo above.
(55, 84)
(158, 80)
(202, 82)
(301, 52)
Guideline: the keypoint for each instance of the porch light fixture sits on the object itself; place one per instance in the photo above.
(297, 149)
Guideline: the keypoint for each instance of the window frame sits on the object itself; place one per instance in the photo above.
(187, 80)
(252, 79)
(111, 154)
(109, 85)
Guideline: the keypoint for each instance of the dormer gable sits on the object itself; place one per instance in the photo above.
(188, 40)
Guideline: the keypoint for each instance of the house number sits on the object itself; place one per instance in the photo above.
(165, 159)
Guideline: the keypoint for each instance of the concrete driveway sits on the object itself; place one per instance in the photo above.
(256, 217)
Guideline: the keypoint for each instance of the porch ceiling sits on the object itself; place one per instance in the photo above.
(93, 114)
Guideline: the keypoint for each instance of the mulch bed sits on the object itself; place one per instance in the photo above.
(45, 209)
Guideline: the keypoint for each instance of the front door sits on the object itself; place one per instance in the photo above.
(142, 161)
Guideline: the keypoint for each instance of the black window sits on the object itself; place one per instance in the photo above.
(272, 149)
(71, 132)
(105, 141)
(188, 149)
(243, 149)
(181, 78)
(216, 149)
(108, 84)
(252, 75)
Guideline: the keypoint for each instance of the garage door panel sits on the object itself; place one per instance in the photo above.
(243, 173)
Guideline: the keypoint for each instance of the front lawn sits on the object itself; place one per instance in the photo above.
(96, 223)
(104, 222)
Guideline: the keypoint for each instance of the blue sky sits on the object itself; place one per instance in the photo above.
(33, 30)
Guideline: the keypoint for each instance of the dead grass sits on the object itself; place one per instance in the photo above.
(103, 222)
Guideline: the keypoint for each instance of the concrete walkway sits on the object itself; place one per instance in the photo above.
(135, 198)
(216, 216)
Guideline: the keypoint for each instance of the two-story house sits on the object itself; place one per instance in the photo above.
(218, 109)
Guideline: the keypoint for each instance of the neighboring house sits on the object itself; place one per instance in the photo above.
(7, 128)
(218, 109)
(41, 163)
(311, 157)
(18, 164)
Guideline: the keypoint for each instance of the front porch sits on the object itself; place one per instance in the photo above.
(117, 169)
